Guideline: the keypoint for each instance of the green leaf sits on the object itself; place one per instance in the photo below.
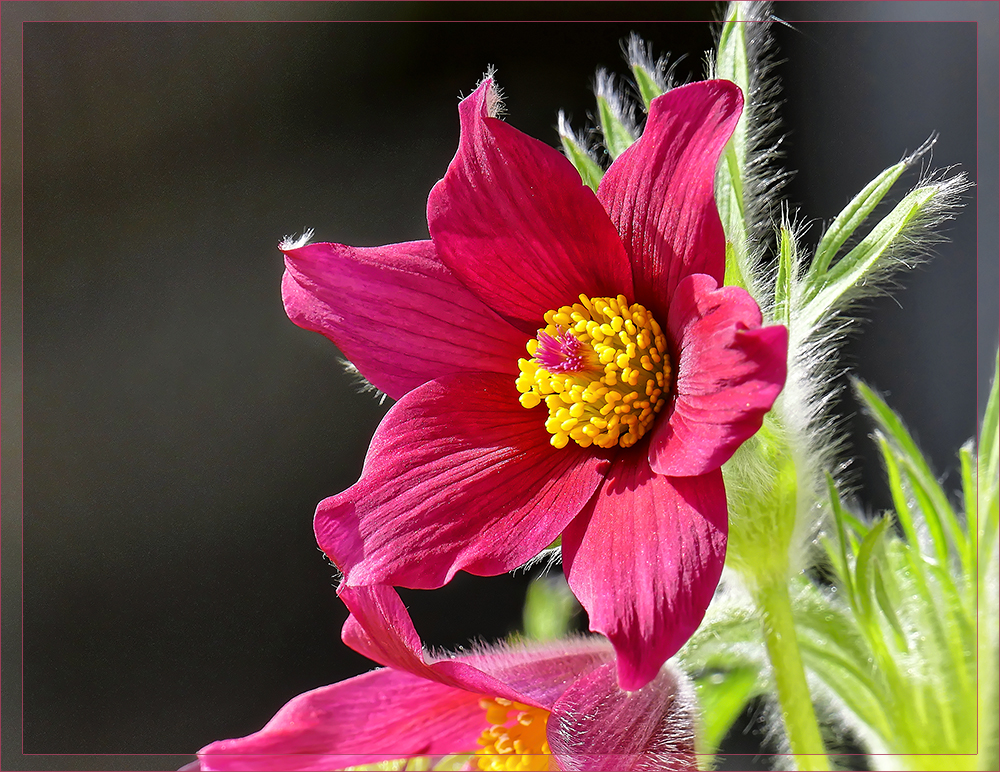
(783, 281)
(895, 480)
(834, 650)
(617, 137)
(937, 510)
(648, 88)
(722, 697)
(933, 588)
(734, 273)
(988, 482)
(731, 64)
(938, 520)
(590, 172)
(989, 449)
(934, 584)
(843, 567)
(903, 514)
(944, 613)
(888, 609)
(955, 626)
(969, 490)
(826, 291)
(729, 193)
(987, 537)
(921, 699)
(862, 571)
(848, 221)
(856, 525)
(731, 60)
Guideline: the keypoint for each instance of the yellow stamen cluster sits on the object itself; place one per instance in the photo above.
(611, 389)
(513, 742)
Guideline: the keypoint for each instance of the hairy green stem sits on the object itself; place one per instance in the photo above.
(796, 705)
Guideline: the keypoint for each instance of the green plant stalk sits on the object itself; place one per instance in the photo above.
(796, 705)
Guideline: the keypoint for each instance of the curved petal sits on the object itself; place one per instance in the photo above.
(595, 726)
(397, 313)
(385, 714)
(458, 476)
(644, 559)
(729, 372)
(380, 628)
(660, 191)
(514, 222)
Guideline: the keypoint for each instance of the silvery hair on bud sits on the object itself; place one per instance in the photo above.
(620, 103)
(639, 54)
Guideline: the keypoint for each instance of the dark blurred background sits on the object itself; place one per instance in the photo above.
(178, 430)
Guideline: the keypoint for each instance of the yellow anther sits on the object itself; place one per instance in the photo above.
(601, 368)
(529, 400)
(516, 739)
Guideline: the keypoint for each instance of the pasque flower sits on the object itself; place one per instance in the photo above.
(565, 363)
(522, 707)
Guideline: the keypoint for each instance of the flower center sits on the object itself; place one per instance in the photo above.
(516, 738)
(602, 369)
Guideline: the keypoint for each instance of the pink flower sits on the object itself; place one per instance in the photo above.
(644, 376)
(557, 706)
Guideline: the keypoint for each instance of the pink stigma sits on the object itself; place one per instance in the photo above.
(563, 353)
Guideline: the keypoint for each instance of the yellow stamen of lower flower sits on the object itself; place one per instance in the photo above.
(602, 369)
(516, 738)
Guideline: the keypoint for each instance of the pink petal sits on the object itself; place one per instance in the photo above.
(397, 313)
(729, 372)
(380, 628)
(595, 726)
(385, 714)
(644, 559)
(458, 476)
(659, 192)
(514, 222)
